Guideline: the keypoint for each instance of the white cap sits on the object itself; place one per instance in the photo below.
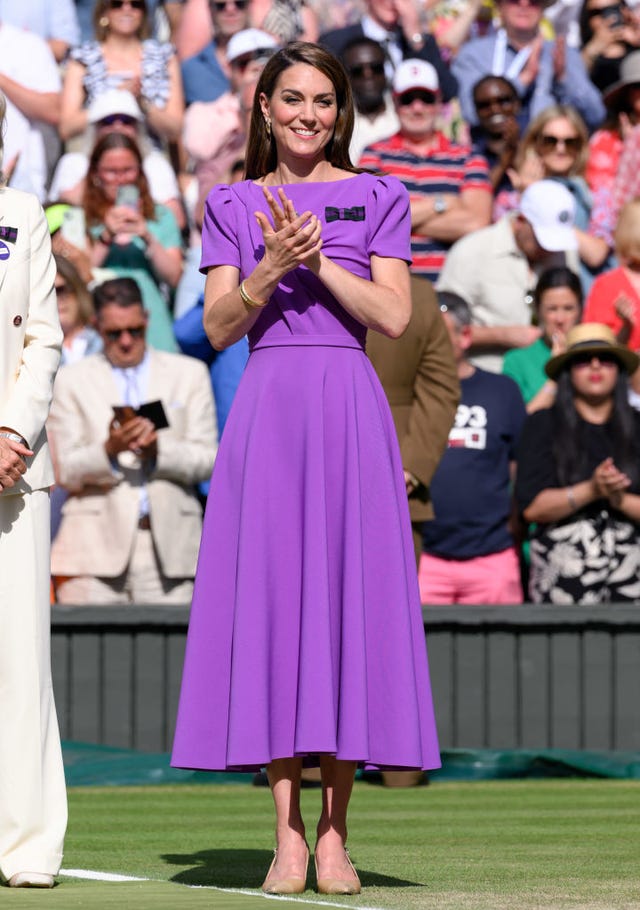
(415, 73)
(250, 41)
(550, 209)
(114, 101)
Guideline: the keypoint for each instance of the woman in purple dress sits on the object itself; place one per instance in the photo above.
(306, 638)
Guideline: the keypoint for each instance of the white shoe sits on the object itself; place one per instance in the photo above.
(31, 880)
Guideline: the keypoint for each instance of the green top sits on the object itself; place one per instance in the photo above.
(526, 367)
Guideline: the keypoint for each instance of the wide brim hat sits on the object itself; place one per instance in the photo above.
(591, 338)
(629, 75)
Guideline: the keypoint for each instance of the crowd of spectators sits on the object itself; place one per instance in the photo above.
(515, 126)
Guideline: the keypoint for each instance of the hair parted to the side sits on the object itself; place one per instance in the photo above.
(123, 292)
(262, 156)
(558, 276)
(3, 125)
(94, 201)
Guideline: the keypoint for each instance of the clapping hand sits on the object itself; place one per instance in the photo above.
(609, 482)
(292, 239)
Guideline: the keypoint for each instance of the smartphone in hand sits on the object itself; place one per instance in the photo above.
(129, 196)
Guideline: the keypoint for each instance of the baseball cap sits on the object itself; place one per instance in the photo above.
(250, 41)
(550, 209)
(114, 101)
(415, 73)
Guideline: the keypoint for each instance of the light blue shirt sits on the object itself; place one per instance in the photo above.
(47, 18)
(475, 60)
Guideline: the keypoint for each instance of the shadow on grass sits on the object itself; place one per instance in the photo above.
(247, 869)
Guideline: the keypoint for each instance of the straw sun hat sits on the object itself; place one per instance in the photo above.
(591, 338)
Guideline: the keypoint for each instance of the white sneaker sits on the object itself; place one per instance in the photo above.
(31, 880)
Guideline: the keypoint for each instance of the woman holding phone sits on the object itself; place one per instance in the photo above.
(130, 234)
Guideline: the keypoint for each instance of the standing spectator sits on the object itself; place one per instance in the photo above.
(33, 808)
(30, 83)
(579, 476)
(449, 187)
(469, 555)
(56, 23)
(123, 56)
(397, 29)
(496, 269)
(204, 64)
(557, 307)
(131, 526)
(375, 113)
(543, 72)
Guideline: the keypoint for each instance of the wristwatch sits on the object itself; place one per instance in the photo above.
(440, 205)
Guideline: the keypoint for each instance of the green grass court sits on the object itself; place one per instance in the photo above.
(498, 845)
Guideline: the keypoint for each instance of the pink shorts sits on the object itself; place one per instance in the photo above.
(492, 579)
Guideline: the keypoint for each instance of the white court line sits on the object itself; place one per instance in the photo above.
(114, 877)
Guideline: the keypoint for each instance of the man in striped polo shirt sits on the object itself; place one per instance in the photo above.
(449, 186)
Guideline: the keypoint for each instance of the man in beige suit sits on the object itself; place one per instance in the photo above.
(33, 805)
(131, 526)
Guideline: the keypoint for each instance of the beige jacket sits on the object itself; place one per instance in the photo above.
(100, 517)
(30, 334)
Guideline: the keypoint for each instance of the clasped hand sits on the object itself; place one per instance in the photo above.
(292, 239)
(609, 482)
(137, 435)
(12, 462)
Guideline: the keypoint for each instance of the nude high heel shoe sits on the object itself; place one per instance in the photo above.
(291, 885)
(338, 885)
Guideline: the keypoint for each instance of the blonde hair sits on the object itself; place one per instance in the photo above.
(534, 131)
(627, 232)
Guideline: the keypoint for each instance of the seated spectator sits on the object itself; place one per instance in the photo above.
(375, 114)
(286, 20)
(557, 306)
(449, 187)
(160, 13)
(132, 236)
(543, 72)
(469, 554)
(116, 111)
(75, 309)
(579, 477)
(397, 29)
(30, 83)
(614, 299)
(555, 146)
(497, 133)
(496, 269)
(122, 56)
(203, 52)
(608, 32)
(131, 526)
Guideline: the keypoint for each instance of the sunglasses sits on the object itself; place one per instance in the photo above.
(359, 70)
(417, 94)
(549, 143)
(136, 331)
(134, 4)
(112, 119)
(220, 5)
(63, 290)
(500, 101)
(607, 12)
(537, 3)
(585, 360)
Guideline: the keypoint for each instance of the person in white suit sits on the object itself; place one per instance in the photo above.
(33, 804)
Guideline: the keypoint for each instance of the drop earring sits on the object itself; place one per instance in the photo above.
(104, 22)
(267, 124)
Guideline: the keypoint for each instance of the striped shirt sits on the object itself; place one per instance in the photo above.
(448, 169)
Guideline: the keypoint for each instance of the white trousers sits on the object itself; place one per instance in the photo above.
(33, 801)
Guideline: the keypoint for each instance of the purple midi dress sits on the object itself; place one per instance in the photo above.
(306, 631)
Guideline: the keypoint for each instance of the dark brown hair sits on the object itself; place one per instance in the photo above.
(262, 157)
(67, 270)
(94, 201)
(101, 31)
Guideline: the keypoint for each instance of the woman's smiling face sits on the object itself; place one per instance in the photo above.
(303, 112)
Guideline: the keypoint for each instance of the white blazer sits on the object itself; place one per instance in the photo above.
(30, 333)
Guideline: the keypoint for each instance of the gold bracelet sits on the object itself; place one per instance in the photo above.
(249, 300)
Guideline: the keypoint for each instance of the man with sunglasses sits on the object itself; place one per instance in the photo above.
(131, 525)
(448, 187)
(543, 72)
(204, 63)
(375, 115)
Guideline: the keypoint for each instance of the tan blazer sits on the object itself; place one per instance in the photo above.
(30, 334)
(100, 517)
(419, 377)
